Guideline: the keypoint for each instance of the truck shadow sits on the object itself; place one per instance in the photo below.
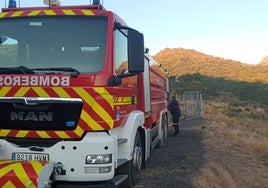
(178, 162)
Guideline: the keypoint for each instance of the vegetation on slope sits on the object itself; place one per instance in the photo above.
(194, 71)
(181, 61)
(209, 86)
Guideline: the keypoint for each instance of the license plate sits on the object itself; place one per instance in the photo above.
(30, 156)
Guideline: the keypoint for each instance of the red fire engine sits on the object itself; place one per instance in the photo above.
(81, 100)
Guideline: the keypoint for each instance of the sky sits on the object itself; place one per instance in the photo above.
(230, 29)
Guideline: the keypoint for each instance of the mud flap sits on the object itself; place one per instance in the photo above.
(25, 174)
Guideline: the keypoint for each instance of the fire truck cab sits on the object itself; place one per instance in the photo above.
(82, 102)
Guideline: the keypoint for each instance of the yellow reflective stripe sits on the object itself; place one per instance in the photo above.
(34, 13)
(4, 132)
(124, 100)
(37, 166)
(4, 91)
(50, 12)
(9, 185)
(61, 92)
(18, 170)
(79, 131)
(62, 134)
(43, 134)
(18, 13)
(106, 95)
(118, 100)
(5, 161)
(2, 15)
(22, 134)
(96, 106)
(68, 12)
(87, 12)
(128, 100)
(40, 91)
(47, 12)
(89, 120)
(21, 91)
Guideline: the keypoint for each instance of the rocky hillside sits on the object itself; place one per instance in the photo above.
(179, 61)
(264, 61)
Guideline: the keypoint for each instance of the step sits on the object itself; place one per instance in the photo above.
(119, 179)
(121, 140)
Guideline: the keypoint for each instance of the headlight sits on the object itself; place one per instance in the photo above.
(99, 159)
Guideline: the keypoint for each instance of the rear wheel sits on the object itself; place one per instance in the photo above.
(133, 167)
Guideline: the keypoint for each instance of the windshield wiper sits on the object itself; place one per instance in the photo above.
(73, 72)
(24, 70)
(16, 70)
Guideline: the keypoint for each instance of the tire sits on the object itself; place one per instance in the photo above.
(132, 168)
(164, 131)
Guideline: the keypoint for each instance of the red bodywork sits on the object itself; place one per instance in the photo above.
(100, 101)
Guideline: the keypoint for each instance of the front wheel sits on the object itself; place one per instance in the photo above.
(133, 167)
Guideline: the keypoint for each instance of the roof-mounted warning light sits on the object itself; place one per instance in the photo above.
(12, 4)
(52, 2)
(96, 2)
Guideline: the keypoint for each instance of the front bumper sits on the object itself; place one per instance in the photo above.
(72, 156)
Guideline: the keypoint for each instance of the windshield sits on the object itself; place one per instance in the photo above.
(54, 42)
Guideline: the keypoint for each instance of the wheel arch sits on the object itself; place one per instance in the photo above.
(143, 141)
(135, 122)
(162, 129)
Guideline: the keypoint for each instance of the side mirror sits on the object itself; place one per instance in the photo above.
(135, 52)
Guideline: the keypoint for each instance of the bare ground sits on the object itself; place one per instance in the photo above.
(201, 156)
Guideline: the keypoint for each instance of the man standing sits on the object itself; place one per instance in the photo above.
(175, 111)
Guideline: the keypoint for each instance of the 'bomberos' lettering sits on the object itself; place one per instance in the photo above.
(34, 80)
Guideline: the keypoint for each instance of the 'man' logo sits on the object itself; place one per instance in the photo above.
(31, 116)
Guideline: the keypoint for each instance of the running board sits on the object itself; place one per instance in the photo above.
(119, 179)
(154, 143)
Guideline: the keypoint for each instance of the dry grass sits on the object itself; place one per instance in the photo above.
(244, 124)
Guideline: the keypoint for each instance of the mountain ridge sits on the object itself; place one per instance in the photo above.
(180, 61)
(264, 61)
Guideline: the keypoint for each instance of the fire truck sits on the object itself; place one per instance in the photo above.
(82, 102)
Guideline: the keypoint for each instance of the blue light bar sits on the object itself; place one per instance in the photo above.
(12, 4)
(96, 2)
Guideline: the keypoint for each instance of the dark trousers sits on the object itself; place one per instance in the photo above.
(175, 119)
(176, 128)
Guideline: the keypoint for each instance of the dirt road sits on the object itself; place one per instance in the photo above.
(202, 157)
(178, 162)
